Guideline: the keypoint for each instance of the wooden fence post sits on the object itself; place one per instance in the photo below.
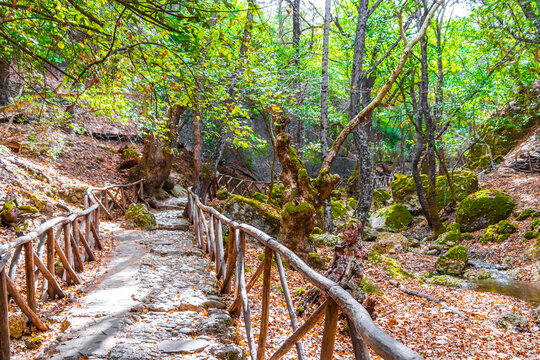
(267, 283)
(330, 327)
(4, 325)
(50, 259)
(30, 276)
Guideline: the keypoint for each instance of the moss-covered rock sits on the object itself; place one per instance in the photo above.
(477, 274)
(352, 182)
(139, 215)
(16, 326)
(445, 280)
(339, 210)
(451, 237)
(530, 235)
(483, 208)
(351, 202)
(9, 214)
(260, 215)
(393, 267)
(222, 193)
(388, 242)
(260, 197)
(454, 261)
(381, 198)
(129, 153)
(28, 209)
(392, 218)
(404, 189)
(498, 233)
(525, 214)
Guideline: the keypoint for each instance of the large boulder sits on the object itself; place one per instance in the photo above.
(389, 243)
(404, 189)
(392, 218)
(483, 208)
(140, 216)
(454, 261)
(260, 215)
(451, 237)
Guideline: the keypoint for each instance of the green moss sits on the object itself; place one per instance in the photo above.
(393, 267)
(339, 210)
(317, 261)
(352, 181)
(27, 209)
(403, 186)
(397, 217)
(298, 210)
(369, 287)
(506, 227)
(483, 208)
(467, 236)
(325, 239)
(445, 280)
(317, 231)
(260, 197)
(262, 207)
(529, 235)
(535, 225)
(525, 214)
(454, 261)
(451, 237)
(33, 343)
(277, 197)
(140, 216)
(129, 153)
(351, 202)
(222, 193)
(480, 274)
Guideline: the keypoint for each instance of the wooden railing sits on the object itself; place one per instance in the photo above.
(230, 265)
(236, 185)
(73, 239)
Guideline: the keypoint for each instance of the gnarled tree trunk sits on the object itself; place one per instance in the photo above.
(155, 165)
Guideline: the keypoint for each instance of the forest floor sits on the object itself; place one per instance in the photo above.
(424, 326)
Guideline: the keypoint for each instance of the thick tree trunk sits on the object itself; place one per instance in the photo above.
(155, 165)
(328, 223)
(304, 196)
(4, 83)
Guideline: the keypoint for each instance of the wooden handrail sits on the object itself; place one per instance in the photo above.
(78, 230)
(373, 336)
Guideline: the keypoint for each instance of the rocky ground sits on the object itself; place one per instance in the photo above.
(157, 301)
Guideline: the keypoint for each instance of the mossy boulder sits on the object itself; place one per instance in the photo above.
(369, 287)
(389, 243)
(477, 274)
(393, 267)
(498, 233)
(325, 239)
(404, 189)
(9, 214)
(392, 218)
(454, 261)
(445, 280)
(483, 208)
(255, 213)
(16, 326)
(222, 193)
(381, 198)
(527, 213)
(451, 237)
(139, 216)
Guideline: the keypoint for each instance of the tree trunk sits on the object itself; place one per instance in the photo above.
(328, 224)
(4, 83)
(155, 165)
(304, 196)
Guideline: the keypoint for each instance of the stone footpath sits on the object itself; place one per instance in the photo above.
(157, 301)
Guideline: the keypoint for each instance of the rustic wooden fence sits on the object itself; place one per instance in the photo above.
(73, 239)
(230, 270)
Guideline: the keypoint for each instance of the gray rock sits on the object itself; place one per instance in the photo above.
(214, 304)
(248, 211)
(133, 351)
(509, 319)
(215, 324)
(228, 352)
(183, 346)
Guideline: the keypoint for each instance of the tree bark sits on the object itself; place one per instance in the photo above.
(4, 82)
(329, 225)
(155, 165)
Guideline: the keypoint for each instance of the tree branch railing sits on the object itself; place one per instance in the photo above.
(230, 266)
(236, 185)
(72, 240)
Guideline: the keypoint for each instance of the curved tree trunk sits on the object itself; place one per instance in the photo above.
(155, 165)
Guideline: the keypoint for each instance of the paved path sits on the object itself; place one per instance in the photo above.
(157, 301)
